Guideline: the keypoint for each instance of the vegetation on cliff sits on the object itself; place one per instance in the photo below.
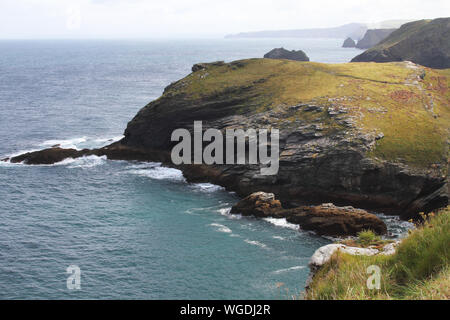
(409, 104)
(420, 268)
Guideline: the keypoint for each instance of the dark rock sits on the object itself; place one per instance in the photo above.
(281, 53)
(373, 37)
(328, 219)
(258, 204)
(325, 219)
(349, 43)
(425, 42)
(47, 156)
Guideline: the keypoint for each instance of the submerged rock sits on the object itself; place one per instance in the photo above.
(281, 53)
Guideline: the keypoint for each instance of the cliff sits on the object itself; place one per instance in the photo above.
(367, 135)
(425, 42)
(373, 37)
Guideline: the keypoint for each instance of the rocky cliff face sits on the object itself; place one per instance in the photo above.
(367, 135)
(372, 37)
(425, 42)
(349, 134)
(281, 53)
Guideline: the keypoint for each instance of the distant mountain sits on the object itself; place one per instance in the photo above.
(425, 42)
(388, 24)
(373, 37)
(355, 31)
(352, 30)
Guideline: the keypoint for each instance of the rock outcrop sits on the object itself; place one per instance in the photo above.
(373, 37)
(281, 53)
(425, 42)
(349, 43)
(322, 255)
(365, 135)
(325, 219)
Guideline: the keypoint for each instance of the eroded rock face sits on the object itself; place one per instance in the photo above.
(281, 53)
(325, 219)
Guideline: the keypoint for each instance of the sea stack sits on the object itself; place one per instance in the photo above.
(281, 53)
(349, 43)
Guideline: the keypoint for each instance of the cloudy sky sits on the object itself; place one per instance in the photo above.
(195, 18)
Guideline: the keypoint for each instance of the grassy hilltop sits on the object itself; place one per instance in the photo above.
(410, 105)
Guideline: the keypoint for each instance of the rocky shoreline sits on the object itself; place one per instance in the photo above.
(327, 152)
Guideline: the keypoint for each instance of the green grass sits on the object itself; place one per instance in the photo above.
(379, 96)
(420, 269)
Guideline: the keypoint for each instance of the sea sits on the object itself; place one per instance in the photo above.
(130, 230)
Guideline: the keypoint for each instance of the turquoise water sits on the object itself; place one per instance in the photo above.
(136, 230)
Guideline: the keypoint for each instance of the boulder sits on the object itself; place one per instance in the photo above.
(281, 53)
(328, 219)
(258, 204)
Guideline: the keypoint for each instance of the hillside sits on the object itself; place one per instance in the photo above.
(425, 42)
(420, 268)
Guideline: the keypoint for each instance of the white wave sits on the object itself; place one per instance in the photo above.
(288, 269)
(256, 243)
(83, 162)
(207, 187)
(278, 237)
(221, 227)
(282, 222)
(155, 171)
(226, 212)
(79, 143)
(63, 143)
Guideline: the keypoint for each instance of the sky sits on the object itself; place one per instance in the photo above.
(42, 19)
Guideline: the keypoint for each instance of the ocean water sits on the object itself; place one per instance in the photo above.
(135, 230)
